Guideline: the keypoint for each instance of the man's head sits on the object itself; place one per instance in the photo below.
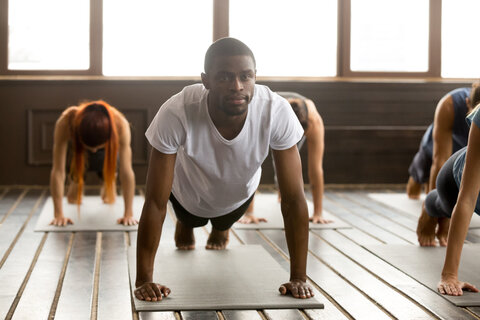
(226, 47)
(230, 75)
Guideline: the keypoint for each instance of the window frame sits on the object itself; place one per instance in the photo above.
(221, 29)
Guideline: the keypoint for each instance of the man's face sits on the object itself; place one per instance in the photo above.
(231, 81)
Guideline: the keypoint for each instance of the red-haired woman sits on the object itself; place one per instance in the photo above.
(100, 136)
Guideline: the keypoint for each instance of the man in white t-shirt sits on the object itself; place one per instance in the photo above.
(209, 142)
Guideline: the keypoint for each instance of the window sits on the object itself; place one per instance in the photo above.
(460, 46)
(389, 36)
(302, 38)
(48, 34)
(156, 38)
(288, 38)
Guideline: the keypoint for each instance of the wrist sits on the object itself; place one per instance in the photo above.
(449, 275)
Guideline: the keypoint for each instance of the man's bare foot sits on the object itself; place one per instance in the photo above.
(184, 237)
(217, 240)
(426, 229)
(442, 231)
(413, 189)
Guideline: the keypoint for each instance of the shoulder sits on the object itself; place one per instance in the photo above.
(265, 96)
(313, 115)
(445, 107)
(121, 122)
(67, 117)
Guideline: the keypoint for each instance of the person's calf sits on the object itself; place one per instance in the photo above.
(184, 237)
(426, 229)
(414, 189)
(442, 231)
(218, 239)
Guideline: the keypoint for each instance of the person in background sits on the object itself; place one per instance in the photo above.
(457, 197)
(99, 136)
(314, 133)
(447, 134)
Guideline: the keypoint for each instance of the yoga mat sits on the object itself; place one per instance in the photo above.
(94, 215)
(240, 277)
(267, 206)
(401, 202)
(425, 265)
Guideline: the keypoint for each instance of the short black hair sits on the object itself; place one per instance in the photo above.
(226, 47)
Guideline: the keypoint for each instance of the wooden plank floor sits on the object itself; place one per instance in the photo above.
(84, 275)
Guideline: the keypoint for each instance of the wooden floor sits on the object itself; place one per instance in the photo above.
(84, 275)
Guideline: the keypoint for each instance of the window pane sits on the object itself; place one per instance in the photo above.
(156, 38)
(288, 38)
(48, 34)
(459, 45)
(389, 35)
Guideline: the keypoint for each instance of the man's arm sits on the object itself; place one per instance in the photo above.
(127, 177)
(442, 137)
(295, 217)
(57, 174)
(315, 142)
(158, 188)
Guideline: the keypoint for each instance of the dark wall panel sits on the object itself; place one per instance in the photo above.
(372, 128)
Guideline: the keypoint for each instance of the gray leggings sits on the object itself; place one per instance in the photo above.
(441, 201)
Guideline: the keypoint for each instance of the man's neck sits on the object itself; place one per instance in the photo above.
(228, 126)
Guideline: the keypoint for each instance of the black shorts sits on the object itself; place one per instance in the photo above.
(93, 162)
(419, 169)
(221, 223)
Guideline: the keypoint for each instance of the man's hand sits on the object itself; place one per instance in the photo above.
(454, 287)
(319, 219)
(299, 289)
(61, 221)
(151, 292)
(127, 221)
(250, 218)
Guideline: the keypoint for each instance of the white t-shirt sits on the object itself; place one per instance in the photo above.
(214, 176)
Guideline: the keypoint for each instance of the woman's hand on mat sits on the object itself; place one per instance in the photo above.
(250, 218)
(127, 221)
(319, 219)
(453, 287)
(297, 288)
(151, 292)
(61, 221)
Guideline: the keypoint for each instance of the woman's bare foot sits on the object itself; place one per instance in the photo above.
(414, 189)
(217, 240)
(426, 229)
(184, 238)
(442, 231)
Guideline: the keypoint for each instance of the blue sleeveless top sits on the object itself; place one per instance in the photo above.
(460, 127)
(459, 163)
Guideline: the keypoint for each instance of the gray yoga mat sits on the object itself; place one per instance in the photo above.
(425, 265)
(267, 206)
(240, 277)
(94, 215)
(401, 202)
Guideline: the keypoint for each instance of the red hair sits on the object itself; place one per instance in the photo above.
(94, 125)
